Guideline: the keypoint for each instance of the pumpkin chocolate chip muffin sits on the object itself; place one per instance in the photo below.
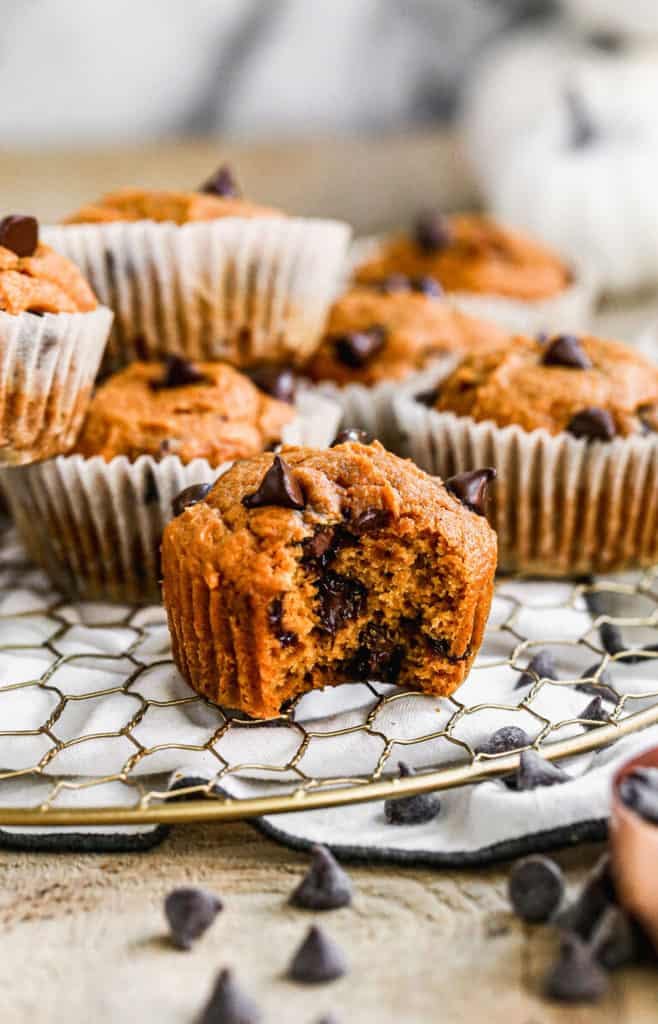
(52, 336)
(311, 568)
(571, 425)
(206, 273)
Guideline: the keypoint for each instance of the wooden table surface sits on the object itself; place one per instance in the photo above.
(83, 936)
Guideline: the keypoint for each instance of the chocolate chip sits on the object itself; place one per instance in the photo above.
(611, 638)
(274, 616)
(432, 232)
(359, 347)
(576, 977)
(471, 488)
(639, 791)
(341, 600)
(536, 889)
(318, 959)
(534, 771)
(274, 379)
(593, 425)
(325, 886)
(394, 283)
(189, 913)
(505, 739)
(614, 940)
(376, 658)
(541, 666)
(427, 286)
(370, 520)
(603, 688)
(221, 183)
(353, 435)
(583, 132)
(411, 810)
(319, 547)
(438, 645)
(566, 350)
(20, 234)
(178, 373)
(278, 487)
(595, 712)
(596, 895)
(228, 1004)
(191, 495)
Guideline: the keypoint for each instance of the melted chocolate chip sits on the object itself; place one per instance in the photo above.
(593, 425)
(583, 132)
(221, 183)
(325, 886)
(178, 373)
(351, 434)
(566, 350)
(471, 488)
(576, 977)
(370, 520)
(639, 791)
(534, 771)
(611, 638)
(540, 666)
(359, 347)
(432, 232)
(189, 913)
(504, 740)
(319, 547)
(536, 889)
(411, 810)
(438, 645)
(278, 487)
(318, 959)
(274, 379)
(19, 234)
(228, 1004)
(377, 657)
(190, 496)
(274, 617)
(341, 600)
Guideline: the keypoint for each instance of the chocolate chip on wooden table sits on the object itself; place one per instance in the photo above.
(325, 886)
(536, 888)
(541, 666)
(341, 600)
(20, 234)
(274, 616)
(351, 434)
(278, 487)
(639, 791)
(504, 740)
(318, 959)
(534, 771)
(189, 913)
(191, 495)
(178, 373)
(274, 379)
(228, 1004)
(595, 896)
(615, 940)
(592, 424)
(221, 183)
(357, 348)
(576, 976)
(566, 350)
(432, 232)
(411, 810)
(471, 488)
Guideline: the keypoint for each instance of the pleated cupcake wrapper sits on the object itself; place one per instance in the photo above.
(48, 364)
(238, 289)
(560, 506)
(96, 526)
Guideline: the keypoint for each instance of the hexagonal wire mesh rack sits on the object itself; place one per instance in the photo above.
(80, 680)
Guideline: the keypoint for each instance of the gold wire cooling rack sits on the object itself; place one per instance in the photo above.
(36, 621)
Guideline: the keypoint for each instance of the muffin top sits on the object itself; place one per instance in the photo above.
(387, 332)
(470, 253)
(34, 278)
(592, 388)
(218, 197)
(204, 410)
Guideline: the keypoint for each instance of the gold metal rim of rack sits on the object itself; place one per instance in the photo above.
(230, 809)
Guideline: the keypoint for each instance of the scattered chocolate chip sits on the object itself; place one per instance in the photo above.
(611, 638)
(432, 232)
(534, 771)
(595, 712)
(583, 132)
(471, 488)
(358, 347)
(592, 425)
(614, 940)
(576, 977)
(274, 616)
(541, 666)
(603, 688)
(536, 889)
(639, 791)
(566, 350)
(178, 373)
(341, 600)
(411, 810)
(190, 496)
(394, 283)
(325, 886)
(427, 286)
(278, 487)
(318, 959)
(228, 1004)
(221, 183)
(370, 520)
(596, 895)
(189, 913)
(274, 379)
(351, 434)
(20, 234)
(504, 740)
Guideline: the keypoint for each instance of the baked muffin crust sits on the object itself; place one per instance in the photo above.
(44, 282)
(132, 204)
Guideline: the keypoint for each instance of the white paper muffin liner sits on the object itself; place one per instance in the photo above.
(238, 289)
(96, 526)
(47, 368)
(560, 506)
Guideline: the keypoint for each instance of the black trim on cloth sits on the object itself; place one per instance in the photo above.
(84, 842)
